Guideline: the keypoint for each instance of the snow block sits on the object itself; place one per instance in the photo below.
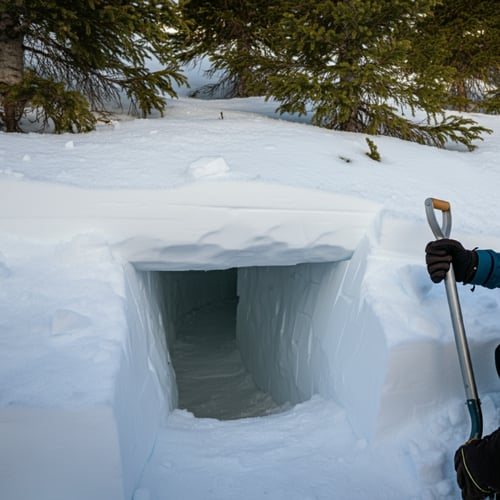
(208, 167)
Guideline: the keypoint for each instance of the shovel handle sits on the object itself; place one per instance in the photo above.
(440, 232)
(442, 205)
(443, 230)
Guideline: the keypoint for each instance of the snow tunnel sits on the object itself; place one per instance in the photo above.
(299, 328)
(282, 254)
(229, 330)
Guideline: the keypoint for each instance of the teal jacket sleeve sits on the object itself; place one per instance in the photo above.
(488, 269)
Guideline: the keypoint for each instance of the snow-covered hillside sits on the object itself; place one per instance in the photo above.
(106, 240)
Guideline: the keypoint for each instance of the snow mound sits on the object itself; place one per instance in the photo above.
(208, 167)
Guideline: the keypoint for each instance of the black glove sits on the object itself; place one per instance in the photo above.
(476, 466)
(439, 254)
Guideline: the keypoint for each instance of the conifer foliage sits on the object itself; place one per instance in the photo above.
(387, 67)
(464, 37)
(230, 33)
(97, 48)
(352, 65)
(346, 62)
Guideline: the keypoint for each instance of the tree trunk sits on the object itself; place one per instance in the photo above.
(346, 84)
(462, 95)
(11, 66)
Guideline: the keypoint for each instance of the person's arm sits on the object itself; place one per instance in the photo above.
(488, 269)
(478, 267)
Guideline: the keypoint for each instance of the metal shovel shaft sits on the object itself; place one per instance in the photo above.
(473, 403)
(464, 359)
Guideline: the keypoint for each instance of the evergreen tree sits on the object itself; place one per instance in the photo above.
(229, 32)
(463, 36)
(346, 61)
(53, 52)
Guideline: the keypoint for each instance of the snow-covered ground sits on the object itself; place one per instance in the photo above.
(339, 322)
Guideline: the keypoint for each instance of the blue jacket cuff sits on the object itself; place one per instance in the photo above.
(488, 269)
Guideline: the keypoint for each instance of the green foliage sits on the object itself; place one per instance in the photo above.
(347, 64)
(100, 48)
(452, 128)
(463, 37)
(432, 132)
(373, 153)
(340, 56)
(231, 35)
(67, 110)
(491, 102)
(352, 65)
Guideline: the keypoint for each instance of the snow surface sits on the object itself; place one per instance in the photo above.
(354, 344)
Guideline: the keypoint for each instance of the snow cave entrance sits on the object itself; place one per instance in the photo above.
(240, 339)
(212, 380)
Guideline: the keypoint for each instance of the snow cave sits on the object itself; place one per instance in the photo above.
(261, 316)
(302, 269)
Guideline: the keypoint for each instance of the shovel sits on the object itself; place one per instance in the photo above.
(440, 232)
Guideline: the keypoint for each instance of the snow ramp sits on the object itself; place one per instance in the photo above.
(330, 303)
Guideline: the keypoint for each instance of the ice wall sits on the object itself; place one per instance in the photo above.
(306, 330)
(145, 386)
(187, 291)
(282, 322)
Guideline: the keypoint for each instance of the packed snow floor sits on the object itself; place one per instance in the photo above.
(211, 378)
(306, 453)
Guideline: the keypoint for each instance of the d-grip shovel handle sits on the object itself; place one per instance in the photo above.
(440, 232)
(432, 204)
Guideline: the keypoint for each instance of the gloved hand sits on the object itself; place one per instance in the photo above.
(476, 471)
(439, 254)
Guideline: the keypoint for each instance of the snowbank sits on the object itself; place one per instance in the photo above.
(62, 331)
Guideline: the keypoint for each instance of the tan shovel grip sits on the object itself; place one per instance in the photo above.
(442, 205)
